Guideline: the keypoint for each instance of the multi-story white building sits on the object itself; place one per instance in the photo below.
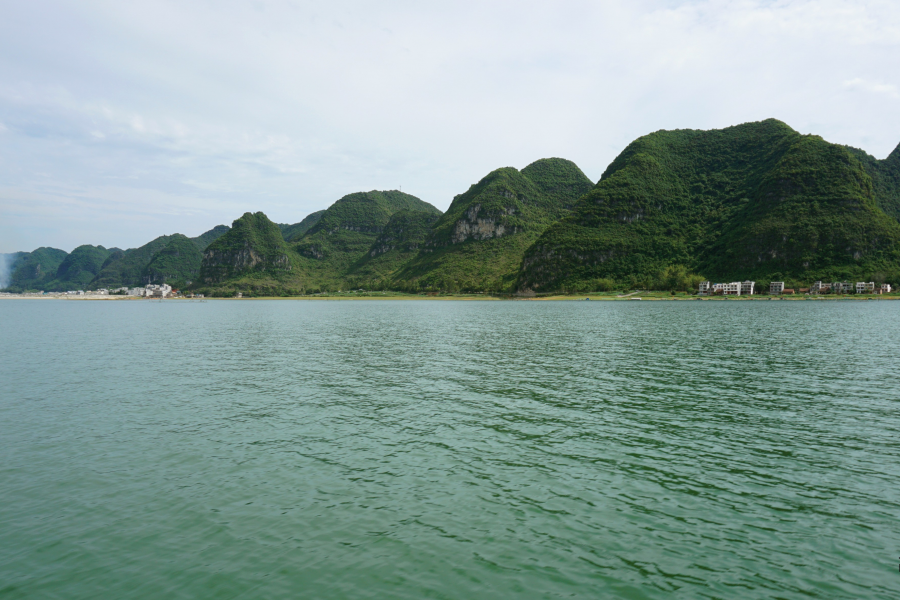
(747, 287)
(705, 288)
(776, 287)
(863, 287)
(842, 287)
(156, 291)
(885, 288)
(820, 288)
(732, 289)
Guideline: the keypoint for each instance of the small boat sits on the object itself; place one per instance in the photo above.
(634, 298)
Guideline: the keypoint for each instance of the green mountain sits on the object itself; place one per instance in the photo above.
(757, 201)
(176, 264)
(127, 268)
(346, 232)
(478, 244)
(30, 270)
(885, 176)
(292, 233)
(253, 248)
(400, 240)
(78, 269)
(205, 239)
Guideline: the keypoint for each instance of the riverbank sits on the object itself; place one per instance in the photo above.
(593, 296)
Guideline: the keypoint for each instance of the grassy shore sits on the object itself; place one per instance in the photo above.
(602, 296)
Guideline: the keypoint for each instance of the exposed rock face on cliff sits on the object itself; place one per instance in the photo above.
(479, 242)
(254, 243)
(756, 201)
(474, 225)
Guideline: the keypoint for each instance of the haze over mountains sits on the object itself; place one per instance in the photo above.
(757, 201)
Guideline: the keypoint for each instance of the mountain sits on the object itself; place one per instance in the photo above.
(177, 264)
(127, 268)
(757, 201)
(205, 239)
(401, 239)
(30, 270)
(885, 176)
(130, 267)
(78, 269)
(294, 232)
(478, 244)
(346, 232)
(253, 247)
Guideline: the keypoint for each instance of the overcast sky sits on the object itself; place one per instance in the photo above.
(122, 121)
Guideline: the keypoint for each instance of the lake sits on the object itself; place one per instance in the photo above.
(449, 449)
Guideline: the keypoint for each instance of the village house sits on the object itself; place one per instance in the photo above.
(842, 287)
(863, 287)
(155, 291)
(776, 287)
(885, 288)
(747, 287)
(705, 288)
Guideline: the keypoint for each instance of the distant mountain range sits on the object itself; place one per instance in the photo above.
(755, 201)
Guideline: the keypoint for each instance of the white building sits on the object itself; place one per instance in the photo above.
(157, 291)
(863, 287)
(705, 288)
(776, 287)
(732, 289)
(885, 288)
(842, 287)
(747, 287)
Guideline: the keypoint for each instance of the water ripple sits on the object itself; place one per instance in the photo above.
(449, 449)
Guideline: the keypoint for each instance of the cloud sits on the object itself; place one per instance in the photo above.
(281, 107)
(872, 87)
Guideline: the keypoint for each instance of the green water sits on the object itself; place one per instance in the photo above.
(303, 449)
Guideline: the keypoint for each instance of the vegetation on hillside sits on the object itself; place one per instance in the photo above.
(401, 239)
(753, 201)
(31, 270)
(292, 233)
(346, 232)
(478, 244)
(205, 239)
(177, 264)
(253, 245)
(127, 268)
(78, 269)
(885, 176)
(757, 201)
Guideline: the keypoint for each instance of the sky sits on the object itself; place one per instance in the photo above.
(123, 121)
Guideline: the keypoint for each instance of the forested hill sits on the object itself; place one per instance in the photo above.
(478, 244)
(757, 201)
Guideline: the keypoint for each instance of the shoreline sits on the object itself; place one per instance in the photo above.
(603, 297)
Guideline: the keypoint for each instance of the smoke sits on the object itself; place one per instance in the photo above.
(6, 261)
